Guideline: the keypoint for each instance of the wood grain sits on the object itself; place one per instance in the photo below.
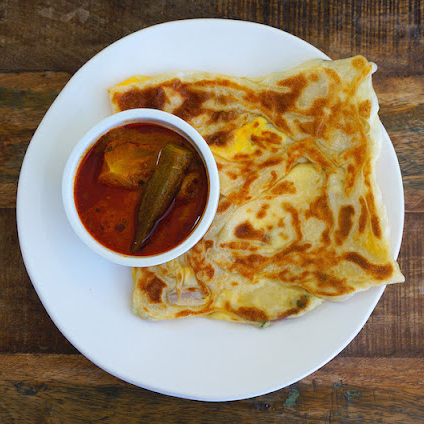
(396, 327)
(61, 36)
(24, 323)
(402, 113)
(387, 32)
(25, 98)
(379, 377)
(61, 388)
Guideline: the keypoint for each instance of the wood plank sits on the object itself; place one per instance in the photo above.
(402, 113)
(68, 388)
(8, 195)
(396, 327)
(24, 323)
(62, 36)
(379, 377)
(25, 98)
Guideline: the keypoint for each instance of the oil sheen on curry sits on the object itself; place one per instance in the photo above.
(300, 218)
(141, 189)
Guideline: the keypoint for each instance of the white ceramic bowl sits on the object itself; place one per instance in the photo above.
(150, 116)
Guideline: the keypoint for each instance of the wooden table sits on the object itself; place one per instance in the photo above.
(379, 377)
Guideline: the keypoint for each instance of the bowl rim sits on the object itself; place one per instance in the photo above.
(86, 142)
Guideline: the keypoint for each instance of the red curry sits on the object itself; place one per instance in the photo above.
(110, 182)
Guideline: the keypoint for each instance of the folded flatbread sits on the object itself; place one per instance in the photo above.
(300, 217)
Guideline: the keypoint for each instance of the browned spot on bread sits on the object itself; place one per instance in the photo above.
(247, 265)
(150, 97)
(379, 272)
(302, 303)
(295, 219)
(246, 231)
(365, 68)
(271, 138)
(252, 314)
(364, 215)
(288, 313)
(223, 205)
(231, 175)
(192, 104)
(375, 221)
(359, 62)
(262, 211)
(274, 177)
(365, 109)
(284, 187)
(321, 210)
(242, 157)
(266, 140)
(209, 244)
(332, 285)
(350, 178)
(281, 256)
(219, 138)
(239, 245)
(334, 77)
(306, 148)
(220, 116)
(313, 76)
(317, 108)
(208, 271)
(287, 276)
(359, 153)
(277, 103)
(152, 287)
(271, 162)
(370, 201)
(375, 225)
(345, 223)
(309, 127)
(184, 313)
(296, 84)
(249, 177)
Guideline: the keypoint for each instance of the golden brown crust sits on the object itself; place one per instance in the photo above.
(300, 216)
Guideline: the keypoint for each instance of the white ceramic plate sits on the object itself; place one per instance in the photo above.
(89, 299)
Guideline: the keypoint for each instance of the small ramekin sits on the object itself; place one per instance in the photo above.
(148, 116)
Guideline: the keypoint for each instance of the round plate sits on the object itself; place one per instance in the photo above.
(89, 299)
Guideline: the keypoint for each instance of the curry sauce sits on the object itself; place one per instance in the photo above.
(111, 181)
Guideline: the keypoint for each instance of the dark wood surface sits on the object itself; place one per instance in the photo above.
(379, 377)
